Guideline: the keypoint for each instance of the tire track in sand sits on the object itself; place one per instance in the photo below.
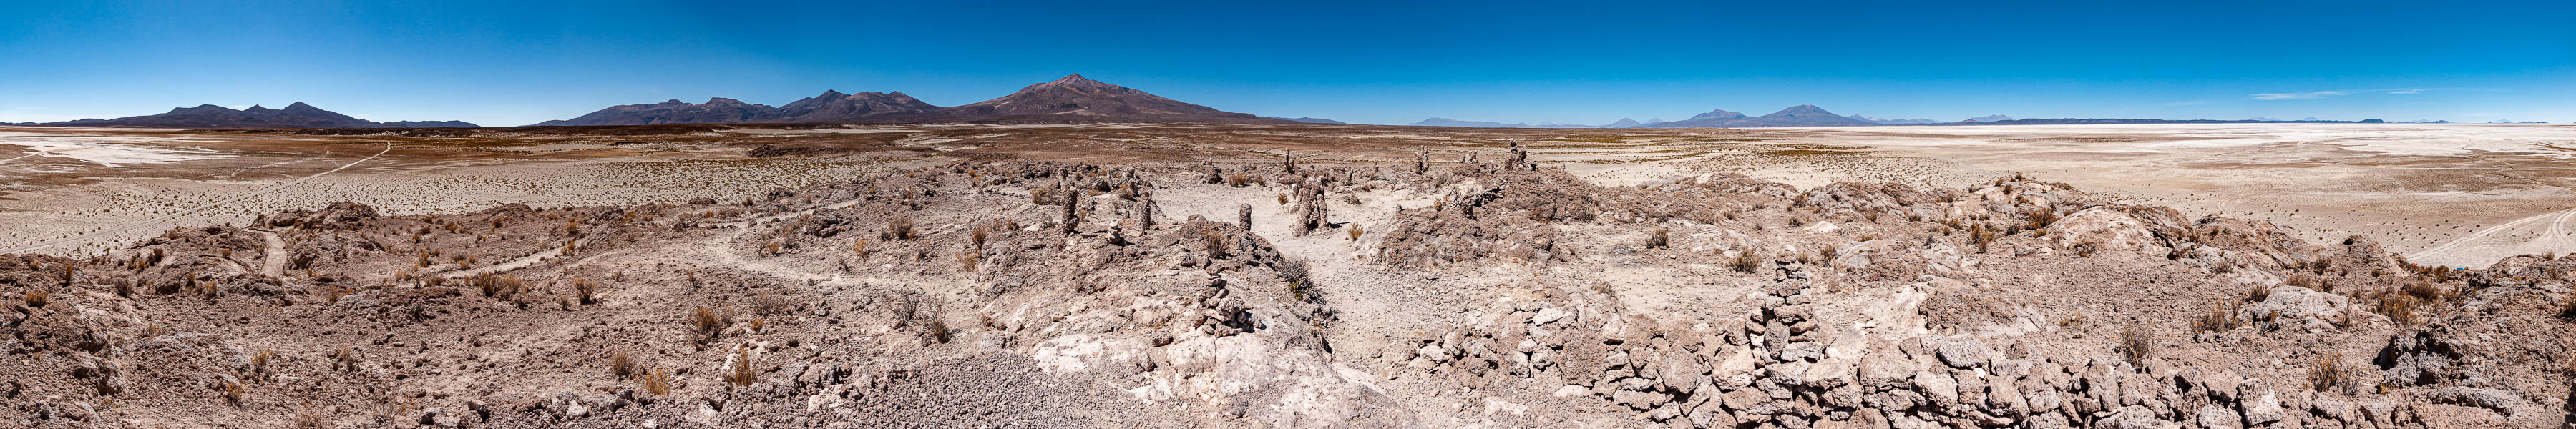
(2555, 234)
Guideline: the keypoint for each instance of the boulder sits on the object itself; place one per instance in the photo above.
(2107, 230)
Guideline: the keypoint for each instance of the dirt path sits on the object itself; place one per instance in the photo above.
(273, 263)
(157, 221)
(716, 245)
(520, 262)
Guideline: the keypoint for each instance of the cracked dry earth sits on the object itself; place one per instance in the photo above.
(1477, 294)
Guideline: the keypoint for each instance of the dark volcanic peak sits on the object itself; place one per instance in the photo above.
(297, 115)
(1074, 98)
(833, 106)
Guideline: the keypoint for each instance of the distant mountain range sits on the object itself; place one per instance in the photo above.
(298, 115)
(1308, 120)
(1893, 121)
(1072, 99)
(1811, 116)
(2069, 121)
(831, 106)
(1803, 115)
(1446, 122)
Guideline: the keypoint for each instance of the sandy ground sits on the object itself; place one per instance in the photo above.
(2443, 194)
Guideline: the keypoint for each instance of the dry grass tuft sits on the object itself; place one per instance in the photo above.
(900, 228)
(259, 368)
(767, 303)
(938, 328)
(2400, 309)
(744, 371)
(309, 418)
(2424, 291)
(657, 382)
(2567, 307)
(1745, 261)
(2329, 374)
(346, 357)
(498, 286)
(706, 323)
(621, 365)
(586, 291)
(236, 393)
(1659, 238)
(2258, 293)
(2136, 345)
(37, 298)
(1355, 232)
(1215, 243)
(2217, 320)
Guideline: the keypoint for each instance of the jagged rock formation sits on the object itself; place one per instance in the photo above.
(298, 115)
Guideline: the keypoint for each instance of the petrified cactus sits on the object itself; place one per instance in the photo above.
(1144, 205)
(1311, 212)
(1071, 217)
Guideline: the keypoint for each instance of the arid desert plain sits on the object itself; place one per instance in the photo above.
(1169, 275)
(2442, 194)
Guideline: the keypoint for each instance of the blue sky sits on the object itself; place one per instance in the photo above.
(514, 63)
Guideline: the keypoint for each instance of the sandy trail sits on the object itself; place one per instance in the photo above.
(157, 221)
(272, 264)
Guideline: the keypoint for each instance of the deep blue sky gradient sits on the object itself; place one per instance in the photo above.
(513, 63)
